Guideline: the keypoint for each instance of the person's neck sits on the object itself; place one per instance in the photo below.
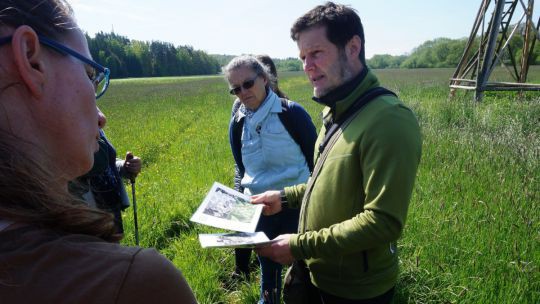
(342, 91)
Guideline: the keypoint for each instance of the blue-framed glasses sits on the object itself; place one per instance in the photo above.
(99, 74)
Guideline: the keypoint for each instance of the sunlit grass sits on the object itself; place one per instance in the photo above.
(473, 230)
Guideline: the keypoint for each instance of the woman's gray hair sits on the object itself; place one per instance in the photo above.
(249, 62)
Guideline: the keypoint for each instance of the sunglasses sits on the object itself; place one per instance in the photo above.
(248, 84)
(99, 75)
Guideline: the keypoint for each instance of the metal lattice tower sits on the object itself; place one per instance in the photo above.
(496, 31)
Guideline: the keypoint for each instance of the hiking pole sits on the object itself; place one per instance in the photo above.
(129, 156)
(132, 181)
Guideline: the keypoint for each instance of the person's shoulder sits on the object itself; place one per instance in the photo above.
(141, 275)
(69, 258)
(146, 274)
(95, 245)
(392, 106)
(292, 107)
(384, 104)
(151, 257)
(152, 277)
(386, 119)
(385, 113)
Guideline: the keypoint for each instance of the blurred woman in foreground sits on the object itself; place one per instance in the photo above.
(52, 247)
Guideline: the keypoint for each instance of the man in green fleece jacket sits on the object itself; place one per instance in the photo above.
(355, 210)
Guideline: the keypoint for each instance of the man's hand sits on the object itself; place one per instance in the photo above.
(278, 251)
(271, 200)
(132, 165)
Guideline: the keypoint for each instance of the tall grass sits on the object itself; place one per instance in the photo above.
(473, 229)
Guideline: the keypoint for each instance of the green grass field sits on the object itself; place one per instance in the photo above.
(473, 229)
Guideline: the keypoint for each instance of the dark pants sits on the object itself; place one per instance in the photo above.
(272, 226)
(317, 296)
(242, 256)
(283, 222)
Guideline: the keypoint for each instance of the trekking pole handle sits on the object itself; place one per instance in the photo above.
(129, 156)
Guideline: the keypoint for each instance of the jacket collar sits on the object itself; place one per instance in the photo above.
(270, 99)
(341, 98)
(271, 104)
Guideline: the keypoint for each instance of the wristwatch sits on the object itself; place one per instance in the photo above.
(284, 202)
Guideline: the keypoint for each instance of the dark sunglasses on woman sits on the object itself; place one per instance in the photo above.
(248, 84)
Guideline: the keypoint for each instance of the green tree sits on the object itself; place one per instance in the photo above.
(132, 58)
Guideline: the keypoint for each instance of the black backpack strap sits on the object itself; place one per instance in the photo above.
(363, 100)
(287, 120)
(236, 133)
(235, 139)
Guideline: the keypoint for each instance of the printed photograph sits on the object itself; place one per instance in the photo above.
(236, 239)
(227, 208)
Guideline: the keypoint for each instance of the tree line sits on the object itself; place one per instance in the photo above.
(436, 53)
(134, 58)
(446, 53)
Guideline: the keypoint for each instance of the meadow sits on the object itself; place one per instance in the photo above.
(473, 228)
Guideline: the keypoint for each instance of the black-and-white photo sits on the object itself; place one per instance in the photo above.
(225, 205)
(235, 239)
(226, 208)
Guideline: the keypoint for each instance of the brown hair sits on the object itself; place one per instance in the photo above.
(269, 63)
(341, 23)
(29, 193)
(50, 18)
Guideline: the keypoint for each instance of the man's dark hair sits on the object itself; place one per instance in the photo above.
(341, 22)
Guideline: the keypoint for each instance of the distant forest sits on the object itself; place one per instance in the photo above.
(133, 58)
(445, 53)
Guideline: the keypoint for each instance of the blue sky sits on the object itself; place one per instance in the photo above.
(237, 27)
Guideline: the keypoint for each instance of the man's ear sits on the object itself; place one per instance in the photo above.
(353, 47)
(28, 56)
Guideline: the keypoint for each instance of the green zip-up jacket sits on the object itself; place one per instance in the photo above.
(358, 206)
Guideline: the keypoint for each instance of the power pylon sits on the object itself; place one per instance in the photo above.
(486, 50)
